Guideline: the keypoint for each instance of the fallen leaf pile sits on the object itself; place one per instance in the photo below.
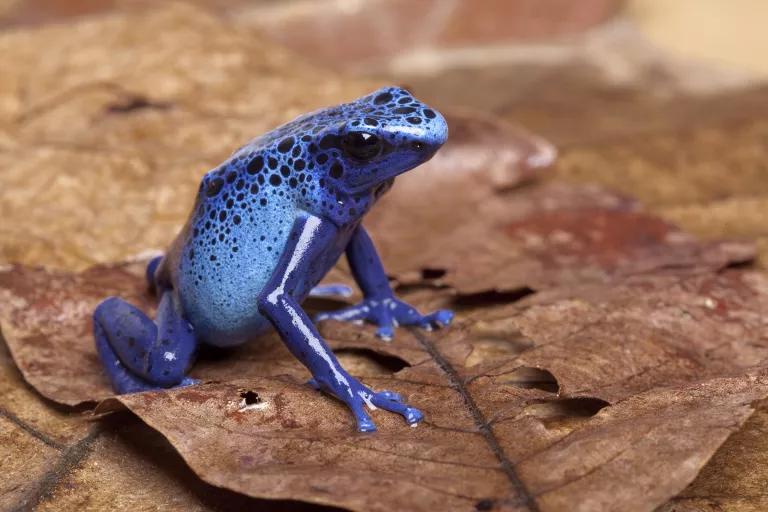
(599, 358)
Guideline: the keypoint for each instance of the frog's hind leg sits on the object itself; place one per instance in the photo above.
(152, 267)
(140, 354)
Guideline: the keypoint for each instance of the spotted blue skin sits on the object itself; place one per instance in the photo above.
(267, 225)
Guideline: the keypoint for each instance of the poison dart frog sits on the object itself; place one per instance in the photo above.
(267, 225)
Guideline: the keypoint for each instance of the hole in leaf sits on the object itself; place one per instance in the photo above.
(556, 412)
(492, 347)
(429, 274)
(739, 265)
(527, 377)
(493, 297)
(364, 361)
(483, 505)
(250, 397)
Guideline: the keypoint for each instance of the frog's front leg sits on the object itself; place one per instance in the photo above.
(379, 305)
(309, 237)
(139, 354)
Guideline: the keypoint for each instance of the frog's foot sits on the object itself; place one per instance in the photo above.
(138, 354)
(387, 314)
(358, 397)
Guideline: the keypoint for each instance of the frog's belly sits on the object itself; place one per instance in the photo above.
(222, 308)
(221, 303)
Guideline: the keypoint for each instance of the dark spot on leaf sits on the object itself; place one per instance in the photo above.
(136, 102)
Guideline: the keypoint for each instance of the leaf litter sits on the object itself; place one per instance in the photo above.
(599, 358)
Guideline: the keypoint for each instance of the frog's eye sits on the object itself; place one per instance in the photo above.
(362, 145)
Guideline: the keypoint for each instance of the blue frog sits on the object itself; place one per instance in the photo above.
(267, 225)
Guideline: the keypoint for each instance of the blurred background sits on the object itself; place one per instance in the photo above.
(422, 36)
(662, 100)
(398, 34)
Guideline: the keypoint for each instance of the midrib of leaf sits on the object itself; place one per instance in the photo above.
(69, 460)
(523, 495)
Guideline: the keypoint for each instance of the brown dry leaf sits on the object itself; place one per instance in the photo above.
(658, 371)
(477, 239)
(112, 131)
(491, 439)
(613, 342)
(36, 439)
(24, 461)
(562, 235)
(736, 477)
(128, 466)
(375, 30)
(46, 322)
(654, 369)
(292, 443)
(113, 139)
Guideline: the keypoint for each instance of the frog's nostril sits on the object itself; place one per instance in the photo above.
(417, 145)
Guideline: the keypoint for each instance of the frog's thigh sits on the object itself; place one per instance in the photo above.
(159, 352)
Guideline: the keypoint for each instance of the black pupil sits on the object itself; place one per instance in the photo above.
(362, 145)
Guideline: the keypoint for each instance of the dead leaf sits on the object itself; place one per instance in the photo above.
(46, 321)
(668, 349)
(276, 448)
(735, 479)
(24, 460)
(127, 465)
(112, 130)
(610, 388)
(477, 239)
(377, 30)
(38, 439)
(628, 337)
(136, 123)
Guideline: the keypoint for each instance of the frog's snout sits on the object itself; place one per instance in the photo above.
(432, 134)
(437, 130)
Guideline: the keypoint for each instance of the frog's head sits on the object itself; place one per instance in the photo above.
(374, 138)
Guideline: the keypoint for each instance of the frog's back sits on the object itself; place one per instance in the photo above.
(241, 221)
(333, 163)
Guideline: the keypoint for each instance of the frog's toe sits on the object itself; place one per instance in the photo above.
(439, 318)
(393, 402)
(189, 381)
(364, 421)
(385, 332)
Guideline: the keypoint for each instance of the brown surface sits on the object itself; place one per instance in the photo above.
(374, 31)
(695, 159)
(644, 356)
(534, 237)
(736, 477)
(110, 118)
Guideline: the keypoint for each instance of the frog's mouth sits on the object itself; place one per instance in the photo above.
(382, 188)
(392, 165)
